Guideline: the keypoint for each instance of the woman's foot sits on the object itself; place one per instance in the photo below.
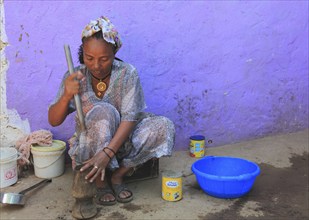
(105, 194)
(122, 193)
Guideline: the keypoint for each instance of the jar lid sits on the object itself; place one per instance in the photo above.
(197, 137)
(57, 145)
(172, 174)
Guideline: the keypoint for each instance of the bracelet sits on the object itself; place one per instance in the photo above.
(107, 154)
(110, 150)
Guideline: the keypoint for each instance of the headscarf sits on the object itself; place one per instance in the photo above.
(109, 32)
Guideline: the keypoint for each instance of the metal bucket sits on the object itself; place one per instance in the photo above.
(171, 186)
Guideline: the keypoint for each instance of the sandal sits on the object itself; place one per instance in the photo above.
(118, 188)
(101, 192)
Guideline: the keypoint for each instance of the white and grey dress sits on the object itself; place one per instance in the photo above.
(152, 137)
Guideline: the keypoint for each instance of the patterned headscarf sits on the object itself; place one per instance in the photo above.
(109, 32)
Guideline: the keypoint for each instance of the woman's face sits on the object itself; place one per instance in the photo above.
(98, 56)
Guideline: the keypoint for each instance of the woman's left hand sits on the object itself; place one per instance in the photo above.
(99, 162)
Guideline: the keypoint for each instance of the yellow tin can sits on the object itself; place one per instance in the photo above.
(171, 186)
(197, 146)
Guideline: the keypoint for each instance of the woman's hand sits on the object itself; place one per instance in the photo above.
(99, 162)
(71, 85)
(59, 111)
(102, 158)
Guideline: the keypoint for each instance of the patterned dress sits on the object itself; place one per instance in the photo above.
(152, 137)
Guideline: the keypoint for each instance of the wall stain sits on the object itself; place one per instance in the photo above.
(191, 111)
(285, 108)
(292, 98)
(20, 37)
(19, 60)
(186, 109)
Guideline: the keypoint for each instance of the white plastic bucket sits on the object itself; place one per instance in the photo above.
(49, 161)
(8, 166)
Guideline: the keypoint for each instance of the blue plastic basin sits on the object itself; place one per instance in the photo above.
(225, 177)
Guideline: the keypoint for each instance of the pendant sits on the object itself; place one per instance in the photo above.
(101, 86)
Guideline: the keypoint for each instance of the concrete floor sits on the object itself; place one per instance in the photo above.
(280, 191)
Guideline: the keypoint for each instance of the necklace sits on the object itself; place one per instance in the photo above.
(101, 86)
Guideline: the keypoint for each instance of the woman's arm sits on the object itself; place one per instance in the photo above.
(59, 111)
(124, 130)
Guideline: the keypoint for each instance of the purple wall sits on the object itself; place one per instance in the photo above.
(231, 71)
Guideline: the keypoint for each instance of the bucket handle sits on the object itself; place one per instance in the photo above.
(19, 155)
(50, 163)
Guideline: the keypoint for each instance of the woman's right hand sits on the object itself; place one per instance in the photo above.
(59, 111)
(71, 85)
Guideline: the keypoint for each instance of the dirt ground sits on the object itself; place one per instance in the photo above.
(280, 192)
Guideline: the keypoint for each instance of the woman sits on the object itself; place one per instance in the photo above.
(119, 134)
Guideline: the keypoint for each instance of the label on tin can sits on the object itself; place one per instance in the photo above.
(171, 186)
(197, 146)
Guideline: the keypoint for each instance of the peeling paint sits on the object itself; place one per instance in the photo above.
(11, 125)
(3, 44)
(20, 37)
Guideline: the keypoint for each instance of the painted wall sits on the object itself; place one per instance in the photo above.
(229, 70)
